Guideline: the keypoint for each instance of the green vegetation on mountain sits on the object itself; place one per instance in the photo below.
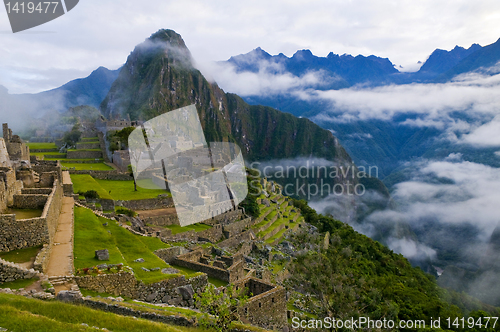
(355, 276)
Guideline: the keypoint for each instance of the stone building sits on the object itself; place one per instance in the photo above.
(15, 146)
(25, 184)
(266, 306)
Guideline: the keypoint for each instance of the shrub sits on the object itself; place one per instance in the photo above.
(125, 211)
(92, 194)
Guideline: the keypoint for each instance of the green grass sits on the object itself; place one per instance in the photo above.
(154, 243)
(21, 255)
(18, 313)
(278, 222)
(84, 149)
(113, 189)
(124, 190)
(276, 236)
(217, 282)
(19, 283)
(91, 235)
(123, 246)
(25, 213)
(39, 146)
(187, 272)
(176, 229)
(90, 166)
(85, 182)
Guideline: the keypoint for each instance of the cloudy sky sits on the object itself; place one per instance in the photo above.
(104, 32)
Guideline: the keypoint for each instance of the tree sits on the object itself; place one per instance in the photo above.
(254, 190)
(124, 134)
(73, 136)
(223, 305)
(131, 172)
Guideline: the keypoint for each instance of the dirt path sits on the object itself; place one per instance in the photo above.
(155, 213)
(61, 255)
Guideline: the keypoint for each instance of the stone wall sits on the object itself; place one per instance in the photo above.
(47, 166)
(261, 218)
(52, 210)
(30, 201)
(10, 272)
(170, 254)
(237, 227)
(235, 241)
(225, 218)
(175, 291)
(9, 187)
(165, 220)
(191, 260)
(213, 234)
(107, 204)
(184, 236)
(267, 308)
(34, 191)
(266, 225)
(147, 204)
(126, 311)
(42, 259)
(211, 271)
(121, 159)
(104, 175)
(25, 233)
(118, 284)
(83, 154)
(85, 146)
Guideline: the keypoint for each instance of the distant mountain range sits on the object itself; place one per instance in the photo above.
(342, 71)
(385, 143)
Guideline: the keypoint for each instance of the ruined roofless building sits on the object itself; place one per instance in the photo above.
(16, 148)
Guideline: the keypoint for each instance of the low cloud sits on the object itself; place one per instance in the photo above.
(411, 249)
(270, 79)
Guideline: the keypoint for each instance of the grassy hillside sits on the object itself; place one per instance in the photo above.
(21, 314)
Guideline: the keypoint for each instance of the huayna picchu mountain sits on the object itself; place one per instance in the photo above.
(159, 76)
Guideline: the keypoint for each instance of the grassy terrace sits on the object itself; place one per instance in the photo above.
(89, 166)
(124, 190)
(21, 255)
(50, 153)
(278, 235)
(84, 182)
(176, 229)
(278, 222)
(84, 149)
(265, 221)
(18, 313)
(263, 209)
(123, 246)
(111, 189)
(40, 146)
(90, 140)
(19, 283)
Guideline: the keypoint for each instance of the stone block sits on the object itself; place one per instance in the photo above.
(102, 255)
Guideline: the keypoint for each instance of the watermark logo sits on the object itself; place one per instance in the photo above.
(170, 152)
(25, 15)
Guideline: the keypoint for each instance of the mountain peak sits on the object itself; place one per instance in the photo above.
(303, 55)
(168, 36)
